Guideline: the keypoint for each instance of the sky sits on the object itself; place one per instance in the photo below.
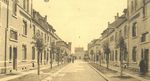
(79, 21)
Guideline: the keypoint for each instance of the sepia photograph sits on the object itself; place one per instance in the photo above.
(74, 40)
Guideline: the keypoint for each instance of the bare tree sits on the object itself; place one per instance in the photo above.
(51, 54)
(40, 46)
(123, 51)
(58, 55)
(100, 57)
(92, 55)
(106, 50)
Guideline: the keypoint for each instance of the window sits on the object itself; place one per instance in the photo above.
(47, 57)
(120, 33)
(27, 5)
(42, 34)
(24, 27)
(116, 36)
(24, 4)
(132, 6)
(33, 29)
(144, 37)
(111, 38)
(24, 52)
(125, 31)
(116, 55)
(135, 4)
(134, 51)
(0, 12)
(13, 35)
(44, 55)
(33, 53)
(14, 6)
(145, 8)
(45, 37)
(10, 53)
(134, 29)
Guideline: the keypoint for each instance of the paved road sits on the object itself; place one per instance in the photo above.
(78, 71)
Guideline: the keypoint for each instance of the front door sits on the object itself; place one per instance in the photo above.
(14, 58)
(146, 54)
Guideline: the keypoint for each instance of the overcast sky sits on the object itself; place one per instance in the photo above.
(79, 21)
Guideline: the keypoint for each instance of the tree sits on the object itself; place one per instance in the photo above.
(58, 55)
(40, 46)
(51, 54)
(92, 55)
(123, 51)
(106, 50)
(100, 57)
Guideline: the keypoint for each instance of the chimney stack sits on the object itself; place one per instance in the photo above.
(108, 24)
(117, 16)
(45, 18)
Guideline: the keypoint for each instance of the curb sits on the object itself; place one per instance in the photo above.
(136, 77)
(104, 76)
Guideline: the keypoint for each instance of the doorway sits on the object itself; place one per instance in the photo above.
(146, 57)
(14, 58)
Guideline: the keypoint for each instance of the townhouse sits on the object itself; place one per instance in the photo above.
(94, 49)
(133, 26)
(19, 23)
(139, 37)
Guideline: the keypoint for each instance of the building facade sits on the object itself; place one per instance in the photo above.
(79, 52)
(19, 23)
(94, 49)
(133, 26)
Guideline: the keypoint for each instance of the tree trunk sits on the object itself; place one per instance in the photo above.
(38, 63)
(58, 60)
(100, 59)
(107, 61)
(51, 60)
(121, 63)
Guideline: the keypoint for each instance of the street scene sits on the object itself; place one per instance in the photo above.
(74, 40)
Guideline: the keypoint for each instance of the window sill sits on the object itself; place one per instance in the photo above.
(24, 35)
(145, 18)
(14, 40)
(10, 61)
(134, 37)
(145, 42)
(134, 62)
(24, 61)
(15, 16)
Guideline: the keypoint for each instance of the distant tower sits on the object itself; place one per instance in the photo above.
(46, 0)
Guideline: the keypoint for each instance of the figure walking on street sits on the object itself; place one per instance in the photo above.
(142, 65)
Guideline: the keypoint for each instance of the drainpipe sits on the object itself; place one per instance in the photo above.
(6, 32)
(128, 21)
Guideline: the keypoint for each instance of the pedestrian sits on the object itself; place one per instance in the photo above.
(142, 65)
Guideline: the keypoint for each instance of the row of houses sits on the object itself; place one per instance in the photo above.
(134, 26)
(19, 23)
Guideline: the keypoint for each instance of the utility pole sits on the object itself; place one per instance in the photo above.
(6, 32)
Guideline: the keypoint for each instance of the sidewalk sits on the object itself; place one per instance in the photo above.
(111, 75)
(137, 76)
(20, 74)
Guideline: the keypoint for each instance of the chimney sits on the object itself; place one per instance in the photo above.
(45, 18)
(108, 24)
(117, 16)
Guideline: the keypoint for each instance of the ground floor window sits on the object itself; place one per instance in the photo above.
(24, 52)
(10, 53)
(134, 51)
(33, 53)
